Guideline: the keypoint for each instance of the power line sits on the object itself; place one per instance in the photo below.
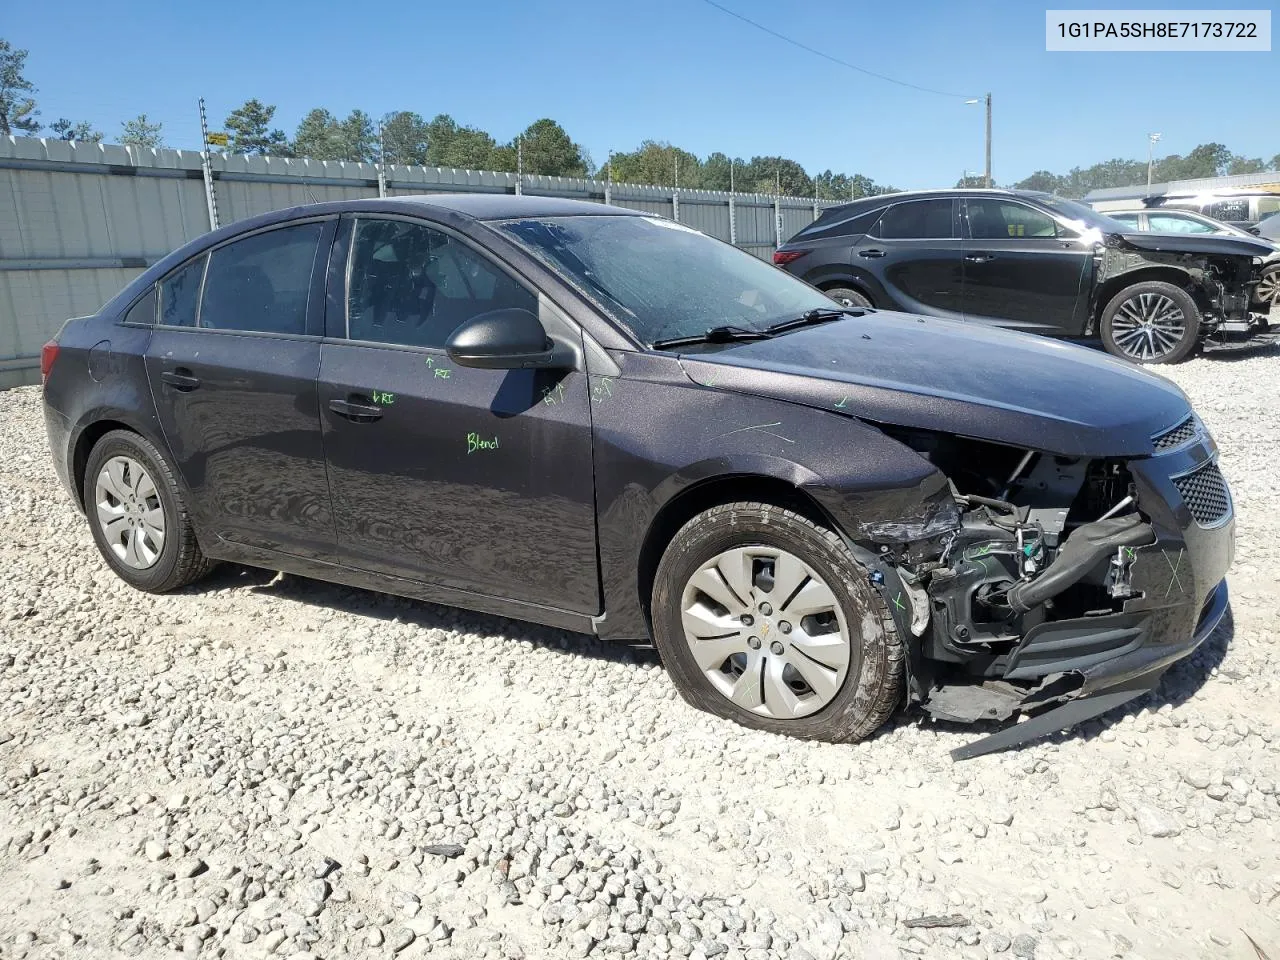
(827, 56)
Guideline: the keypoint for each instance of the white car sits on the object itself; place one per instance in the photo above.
(1266, 294)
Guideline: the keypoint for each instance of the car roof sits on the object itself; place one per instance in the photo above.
(883, 199)
(502, 206)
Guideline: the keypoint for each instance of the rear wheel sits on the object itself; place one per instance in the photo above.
(138, 516)
(848, 297)
(764, 617)
(1151, 322)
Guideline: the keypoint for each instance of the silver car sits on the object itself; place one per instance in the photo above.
(1266, 294)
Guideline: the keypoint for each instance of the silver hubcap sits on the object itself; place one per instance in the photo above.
(1148, 326)
(129, 512)
(767, 632)
(1268, 290)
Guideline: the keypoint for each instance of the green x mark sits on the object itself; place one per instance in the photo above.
(897, 602)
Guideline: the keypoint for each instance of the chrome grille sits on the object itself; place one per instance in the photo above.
(1184, 432)
(1205, 493)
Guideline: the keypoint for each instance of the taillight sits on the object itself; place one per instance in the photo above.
(783, 257)
(48, 354)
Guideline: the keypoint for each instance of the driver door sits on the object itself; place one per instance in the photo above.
(469, 479)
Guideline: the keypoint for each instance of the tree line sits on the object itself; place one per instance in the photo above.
(406, 137)
(544, 147)
(1206, 160)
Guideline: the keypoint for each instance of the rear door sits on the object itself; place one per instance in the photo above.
(1022, 269)
(232, 365)
(914, 255)
(473, 480)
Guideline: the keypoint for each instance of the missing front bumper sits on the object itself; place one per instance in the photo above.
(1124, 675)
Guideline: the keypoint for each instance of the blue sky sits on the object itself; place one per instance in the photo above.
(614, 73)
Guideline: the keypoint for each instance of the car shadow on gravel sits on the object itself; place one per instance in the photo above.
(1179, 684)
(420, 613)
(1236, 354)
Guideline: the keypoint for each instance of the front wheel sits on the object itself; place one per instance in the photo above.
(1151, 322)
(766, 618)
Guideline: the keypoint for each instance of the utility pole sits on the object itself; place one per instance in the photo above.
(677, 169)
(731, 190)
(608, 183)
(519, 165)
(1152, 139)
(211, 199)
(988, 141)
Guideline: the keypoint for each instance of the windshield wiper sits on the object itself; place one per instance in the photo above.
(723, 334)
(811, 317)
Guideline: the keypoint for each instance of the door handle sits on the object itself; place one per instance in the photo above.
(979, 257)
(871, 254)
(357, 409)
(180, 379)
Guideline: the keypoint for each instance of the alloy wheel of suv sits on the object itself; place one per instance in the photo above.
(1151, 322)
(767, 618)
(1267, 292)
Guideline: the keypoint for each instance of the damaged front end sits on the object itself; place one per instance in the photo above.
(1221, 280)
(1045, 580)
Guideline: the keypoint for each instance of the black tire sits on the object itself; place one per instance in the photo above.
(180, 560)
(1152, 349)
(849, 297)
(1267, 293)
(873, 685)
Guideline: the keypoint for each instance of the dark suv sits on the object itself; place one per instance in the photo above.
(1033, 262)
(604, 421)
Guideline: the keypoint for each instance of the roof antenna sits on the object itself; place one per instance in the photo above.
(311, 196)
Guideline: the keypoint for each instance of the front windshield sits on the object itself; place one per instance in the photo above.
(1085, 215)
(662, 280)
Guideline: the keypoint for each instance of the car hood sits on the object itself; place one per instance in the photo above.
(934, 374)
(1194, 243)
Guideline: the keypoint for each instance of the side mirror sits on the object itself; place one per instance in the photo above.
(1255, 231)
(507, 339)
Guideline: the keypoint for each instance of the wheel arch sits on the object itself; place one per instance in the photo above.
(705, 494)
(94, 429)
(1113, 285)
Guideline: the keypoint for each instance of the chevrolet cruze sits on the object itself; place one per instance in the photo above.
(603, 421)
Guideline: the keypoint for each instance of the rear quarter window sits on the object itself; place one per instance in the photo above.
(143, 313)
(839, 223)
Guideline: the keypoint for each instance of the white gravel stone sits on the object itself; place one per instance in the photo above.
(263, 766)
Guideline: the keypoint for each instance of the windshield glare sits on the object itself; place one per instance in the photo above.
(662, 280)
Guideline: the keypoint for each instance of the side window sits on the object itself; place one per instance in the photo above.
(1235, 209)
(412, 285)
(1128, 219)
(179, 294)
(918, 220)
(842, 224)
(1170, 223)
(261, 283)
(991, 219)
(144, 311)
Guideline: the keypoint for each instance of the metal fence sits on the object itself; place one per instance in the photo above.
(79, 221)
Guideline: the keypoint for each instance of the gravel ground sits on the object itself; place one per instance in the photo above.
(271, 766)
